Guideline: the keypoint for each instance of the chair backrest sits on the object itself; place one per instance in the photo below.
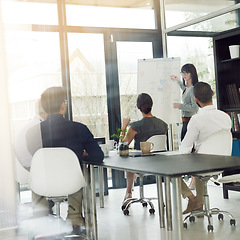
(159, 141)
(219, 143)
(55, 172)
(22, 174)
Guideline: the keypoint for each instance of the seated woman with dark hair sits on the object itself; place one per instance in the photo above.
(141, 131)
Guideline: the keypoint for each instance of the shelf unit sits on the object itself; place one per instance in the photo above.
(227, 72)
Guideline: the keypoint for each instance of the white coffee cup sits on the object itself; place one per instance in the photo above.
(105, 149)
(146, 147)
(111, 144)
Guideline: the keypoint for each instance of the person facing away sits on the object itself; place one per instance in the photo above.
(202, 125)
(56, 131)
(60, 132)
(141, 131)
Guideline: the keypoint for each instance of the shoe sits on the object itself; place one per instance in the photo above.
(193, 204)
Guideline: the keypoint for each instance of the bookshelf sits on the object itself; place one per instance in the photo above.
(227, 72)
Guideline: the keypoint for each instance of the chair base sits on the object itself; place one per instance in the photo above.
(144, 201)
(208, 214)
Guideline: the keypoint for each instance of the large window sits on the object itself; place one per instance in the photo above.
(180, 12)
(198, 51)
(88, 81)
(116, 14)
(27, 12)
(128, 54)
(33, 60)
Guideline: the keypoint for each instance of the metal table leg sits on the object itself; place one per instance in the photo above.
(177, 206)
(168, 203)
(86, 204)
(93, 199)
(160, 201)
(101, 190)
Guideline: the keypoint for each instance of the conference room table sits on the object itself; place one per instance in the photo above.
(169, 165)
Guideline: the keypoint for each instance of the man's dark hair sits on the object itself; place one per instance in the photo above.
(52, 98)
(203, 92)
(144, 103)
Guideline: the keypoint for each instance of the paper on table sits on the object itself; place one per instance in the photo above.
(168, 153)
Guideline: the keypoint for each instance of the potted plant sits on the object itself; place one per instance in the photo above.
(123, 148)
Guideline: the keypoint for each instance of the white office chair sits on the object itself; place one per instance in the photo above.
(55, 173)
(159, 141)
(219, 143)
(22, 177)
(230, 178)
(160, 144)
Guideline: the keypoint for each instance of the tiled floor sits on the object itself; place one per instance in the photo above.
(140, 225)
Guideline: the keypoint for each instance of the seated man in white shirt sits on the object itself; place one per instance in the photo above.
(206, 122)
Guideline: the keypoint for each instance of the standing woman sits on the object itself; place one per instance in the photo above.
(188, 106)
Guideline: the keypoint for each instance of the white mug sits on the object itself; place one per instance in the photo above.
(112, 144)
(105, 149)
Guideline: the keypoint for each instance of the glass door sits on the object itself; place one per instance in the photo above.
(128, 53)
(88, 81)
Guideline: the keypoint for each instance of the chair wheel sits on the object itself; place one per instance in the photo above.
(185, 225)
(192, 219)
(152, 211)
(210, 228)
(126, 212)
(233, 222)
(144, 204)
(123, 207)
(220, 216)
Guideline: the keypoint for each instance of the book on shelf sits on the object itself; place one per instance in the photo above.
(229, 96)
(233, 95)
(235, 117)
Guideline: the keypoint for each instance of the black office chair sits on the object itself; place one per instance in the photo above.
(160, 144)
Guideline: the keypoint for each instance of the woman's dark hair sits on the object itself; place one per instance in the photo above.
(144, 103)
(52, 98)
(190, 68)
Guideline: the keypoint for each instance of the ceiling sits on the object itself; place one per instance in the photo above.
(205, 6)
(138, 3)
(102, 3)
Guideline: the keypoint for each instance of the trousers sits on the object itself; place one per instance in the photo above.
(186, 192)
(42, 207)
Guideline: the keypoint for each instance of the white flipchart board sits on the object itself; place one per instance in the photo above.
(154, 79)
